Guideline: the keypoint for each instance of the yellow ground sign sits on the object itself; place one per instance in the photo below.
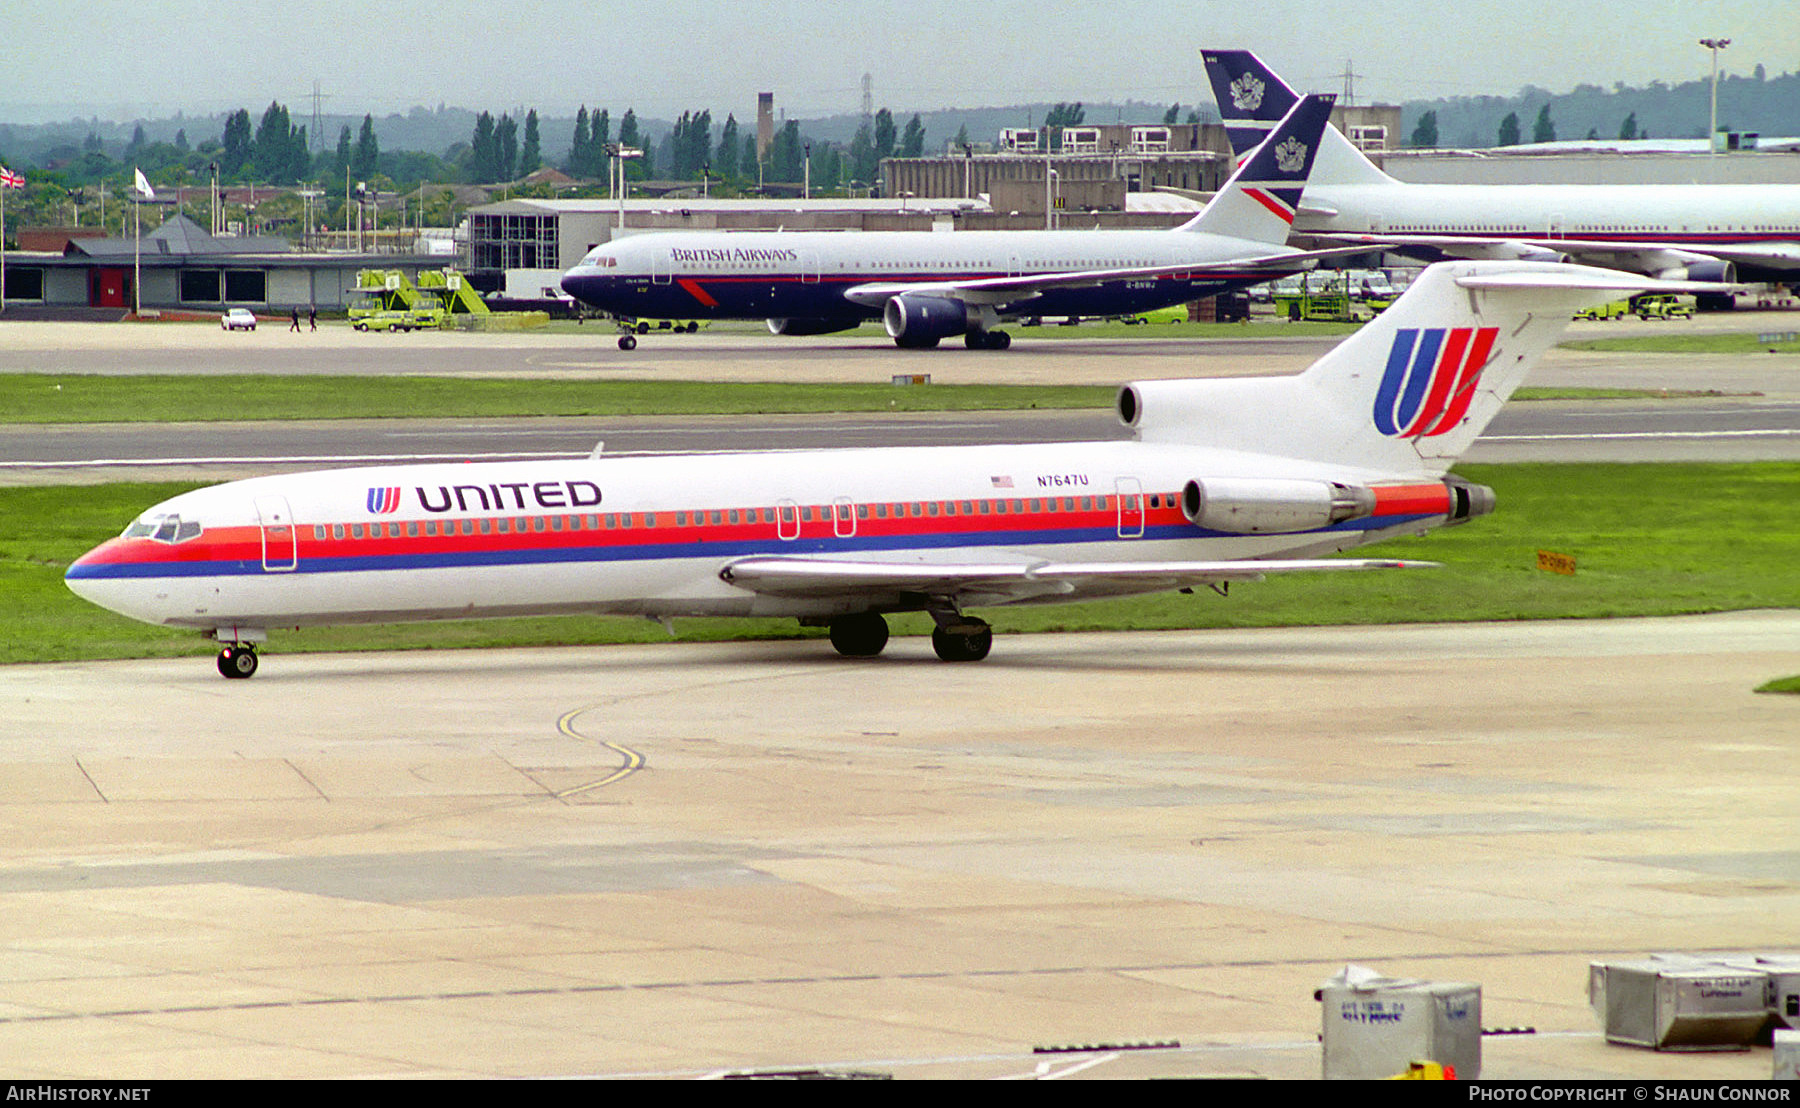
(1552, 562)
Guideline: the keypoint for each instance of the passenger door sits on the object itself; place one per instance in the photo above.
(280, 548)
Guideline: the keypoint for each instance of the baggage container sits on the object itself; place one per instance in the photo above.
(1377, 1027)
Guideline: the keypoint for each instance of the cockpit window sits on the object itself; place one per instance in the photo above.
(164, 528)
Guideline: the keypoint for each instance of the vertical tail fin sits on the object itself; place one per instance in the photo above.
(1252, 98)
(1260, 200)
(1409, 392)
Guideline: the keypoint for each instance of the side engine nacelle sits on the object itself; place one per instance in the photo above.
(923, 320)
(1272, 505)
(1711, 270)
(827, 326)
(1540, 254)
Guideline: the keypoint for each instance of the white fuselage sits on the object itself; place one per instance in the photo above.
(817, 274)
(651, 535)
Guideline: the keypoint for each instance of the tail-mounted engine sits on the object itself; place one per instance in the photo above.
(1286, 506)
(1272, 506)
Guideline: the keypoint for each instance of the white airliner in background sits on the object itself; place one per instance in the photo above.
(1226, 480)
(927, 286)
(1686, 232)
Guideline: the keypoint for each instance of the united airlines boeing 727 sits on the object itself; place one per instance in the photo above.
(1227, 480)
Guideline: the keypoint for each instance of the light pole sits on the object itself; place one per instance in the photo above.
(1714, 45)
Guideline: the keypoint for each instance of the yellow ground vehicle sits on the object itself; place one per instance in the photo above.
(1661, 306)
(1617, 309)
(410, 319)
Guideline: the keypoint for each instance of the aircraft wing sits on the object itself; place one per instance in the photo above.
(1645, 257)
(983, 583)
(1006, 290)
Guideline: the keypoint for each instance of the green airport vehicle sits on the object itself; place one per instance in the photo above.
(1616, 309)
(1661, 306)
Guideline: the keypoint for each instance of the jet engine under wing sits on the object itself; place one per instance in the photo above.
(1014, 582)
(996, 291)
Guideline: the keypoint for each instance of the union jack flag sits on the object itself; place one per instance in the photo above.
(11, 180)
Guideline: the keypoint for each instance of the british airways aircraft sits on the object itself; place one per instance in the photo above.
(1225, 480)
(1685, 232)
(927, 286)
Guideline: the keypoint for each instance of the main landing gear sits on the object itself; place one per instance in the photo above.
(957, 638)
(987, 340)
(237, 660)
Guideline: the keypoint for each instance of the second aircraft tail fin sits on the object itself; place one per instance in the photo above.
(1259, 201)
(1252, 99)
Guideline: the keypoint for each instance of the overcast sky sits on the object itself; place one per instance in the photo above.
(125, 59)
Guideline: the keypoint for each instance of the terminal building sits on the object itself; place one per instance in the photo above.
(1083, 176)
(181, 267)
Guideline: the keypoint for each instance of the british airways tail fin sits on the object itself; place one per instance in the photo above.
(1408, 393)
(1252, 98)
(1260, 199)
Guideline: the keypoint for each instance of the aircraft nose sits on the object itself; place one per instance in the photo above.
(586, 283)
(95, 578)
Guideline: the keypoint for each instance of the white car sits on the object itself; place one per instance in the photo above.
(238, 319)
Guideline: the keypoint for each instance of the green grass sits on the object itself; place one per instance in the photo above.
(82, 398)
(1675, 342)
(1648, 540)
(1784, 685)
(90, 398)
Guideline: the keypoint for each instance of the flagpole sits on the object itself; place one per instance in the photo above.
(2, 248)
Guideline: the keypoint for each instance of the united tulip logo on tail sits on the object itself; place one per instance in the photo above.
(1431, 377)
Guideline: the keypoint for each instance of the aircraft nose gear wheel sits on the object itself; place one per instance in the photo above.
(968, 642)
(859, 636)
(237, 660)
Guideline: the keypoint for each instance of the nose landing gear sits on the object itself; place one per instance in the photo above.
(237, 660)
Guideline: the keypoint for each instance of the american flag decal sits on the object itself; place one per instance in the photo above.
(1001, 482)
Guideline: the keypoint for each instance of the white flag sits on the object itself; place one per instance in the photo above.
(143, 185)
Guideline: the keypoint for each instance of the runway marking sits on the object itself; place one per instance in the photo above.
(1774, 433)
(633, 760)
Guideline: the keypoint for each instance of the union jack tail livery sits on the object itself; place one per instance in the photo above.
(1270, 182)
